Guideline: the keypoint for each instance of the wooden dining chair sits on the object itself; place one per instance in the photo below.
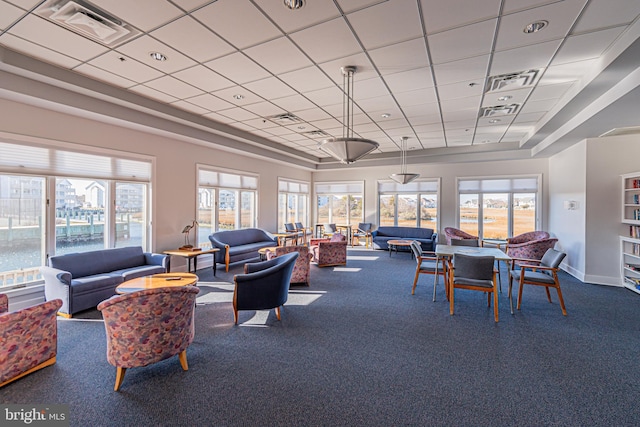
(475, 273)
(428, 263)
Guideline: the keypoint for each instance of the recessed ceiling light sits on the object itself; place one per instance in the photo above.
(158, 56)
(505, 98)
(534, 27)
(301, 127)
(494, 120)
(385, 115)
(294, 4)
(238, 96)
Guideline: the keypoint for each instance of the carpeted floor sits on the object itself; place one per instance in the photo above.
(356, 348)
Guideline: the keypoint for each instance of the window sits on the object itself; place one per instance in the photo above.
(408, 205)
(226, 201)
(506, 206)
(339, 202)
(67, 201)
(293, 202)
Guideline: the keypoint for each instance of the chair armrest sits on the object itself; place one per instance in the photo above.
(538, 267)
(434, 237)
(259, 266)
(374, 233)
(4, 303)
(156, 259)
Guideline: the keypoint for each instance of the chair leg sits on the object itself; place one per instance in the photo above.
(495, 305)
(510, 296)
(520, 294)
(564, 310)
(546, 288)
(183, 360)
(119, 377)
(415, 281)
(451, 292)
(278, 312)
(235, 315)
(435, 283)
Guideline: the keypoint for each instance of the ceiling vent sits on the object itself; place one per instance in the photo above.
(285, 119)
(87, 20)
(499, 110)
(512, 81)
(317, 134)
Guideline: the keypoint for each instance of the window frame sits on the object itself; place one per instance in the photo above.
(290, 185)
(419, 188)
(340, 188)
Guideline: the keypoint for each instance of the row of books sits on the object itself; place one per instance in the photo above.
(636, 214)
(634, 231)
(633, 281)
(636, 199)
(632, 267)
(635, 183)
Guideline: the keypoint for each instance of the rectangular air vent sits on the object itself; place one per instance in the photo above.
(87, 20)
(499, 110)
(512, 81)
(317, 134)
(285, 119)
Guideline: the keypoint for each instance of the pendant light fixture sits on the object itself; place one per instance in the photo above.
(403, 177)
(347, 149)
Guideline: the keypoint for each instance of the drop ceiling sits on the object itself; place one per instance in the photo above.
(457, 77)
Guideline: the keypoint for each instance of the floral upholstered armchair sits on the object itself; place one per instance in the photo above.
(452, 233)
(148, 326)
(28, 339)
(531, 245)
(331, 251)
(302, 266)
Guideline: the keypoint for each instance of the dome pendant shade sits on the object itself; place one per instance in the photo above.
(347, 149)
(404, 177)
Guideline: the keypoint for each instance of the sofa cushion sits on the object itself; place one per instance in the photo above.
(135, 272)
(101, 261)
(405, 232)
(95, 283)
(242, 237)
(249, 247)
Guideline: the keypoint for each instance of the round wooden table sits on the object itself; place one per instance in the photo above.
(163, 280)
(395, 244)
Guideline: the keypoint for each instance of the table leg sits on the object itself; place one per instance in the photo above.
(195, 264)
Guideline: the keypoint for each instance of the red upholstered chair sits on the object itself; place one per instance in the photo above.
(331, 251)
(148, 326)
(531, 245)
(452, 233)
(28, 339)
(302, 266)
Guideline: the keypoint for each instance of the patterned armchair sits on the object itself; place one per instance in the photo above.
(331, 251)
(302, 266)
(148, 326)
(29, 339)
(531, 245)
(452, 233)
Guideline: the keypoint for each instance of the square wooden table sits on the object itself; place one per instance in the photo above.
(191, 254)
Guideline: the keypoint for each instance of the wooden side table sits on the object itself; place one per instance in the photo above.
(163, 280)
(191, 254)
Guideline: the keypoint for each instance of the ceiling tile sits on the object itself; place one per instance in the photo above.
(606, 13)
(125, 67)
(278, 56)
(153, 94)
(238, 95)
(523, 58)
(410, 80)
(324, 97)
(264, 109)
(142, 47)
(25, 4)
(586, 46)
(400, 18)
(174, 87)
(104, 76)
(478, 39)
(364, 68)
(219, 118)
(369, 88)
(461, 89)
(560, 16)
(189, 5)
(52, 36)
(250, 27)
(8, 15)
(313, 114)
(294, 103)
(566, 72)
(238, 68)
(238, 114)
(137, 12)
(463, 70)
(378, 103)
(307, 79)
(549, 91)
(193, 39)
(313, 12)
(517, 96)
(353, 5)
(459, 115)
(203, 78)
(187, 106)
(431, 109)
(537, 106)
(439, 15)
(42, 53)
(416, 97)
(210, 102)
(400, 57)
(338, 41)
(270, 88)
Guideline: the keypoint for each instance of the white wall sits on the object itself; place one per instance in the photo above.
(174, 192)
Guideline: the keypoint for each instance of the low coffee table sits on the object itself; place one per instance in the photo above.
(193, 255)
(162, 280)
(263, 252)
(395, 244)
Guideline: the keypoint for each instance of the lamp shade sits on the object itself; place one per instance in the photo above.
(348, 150)
(404, 178)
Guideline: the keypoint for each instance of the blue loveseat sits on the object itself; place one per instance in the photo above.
(83, 280)
(425, 236)
(240, 245)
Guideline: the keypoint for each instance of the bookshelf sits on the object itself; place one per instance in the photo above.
(630, 243)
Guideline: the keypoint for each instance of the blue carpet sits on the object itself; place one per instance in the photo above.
(356, 348)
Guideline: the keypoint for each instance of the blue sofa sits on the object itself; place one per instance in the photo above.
(83, 280)
(427, 238)
(240, 245)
